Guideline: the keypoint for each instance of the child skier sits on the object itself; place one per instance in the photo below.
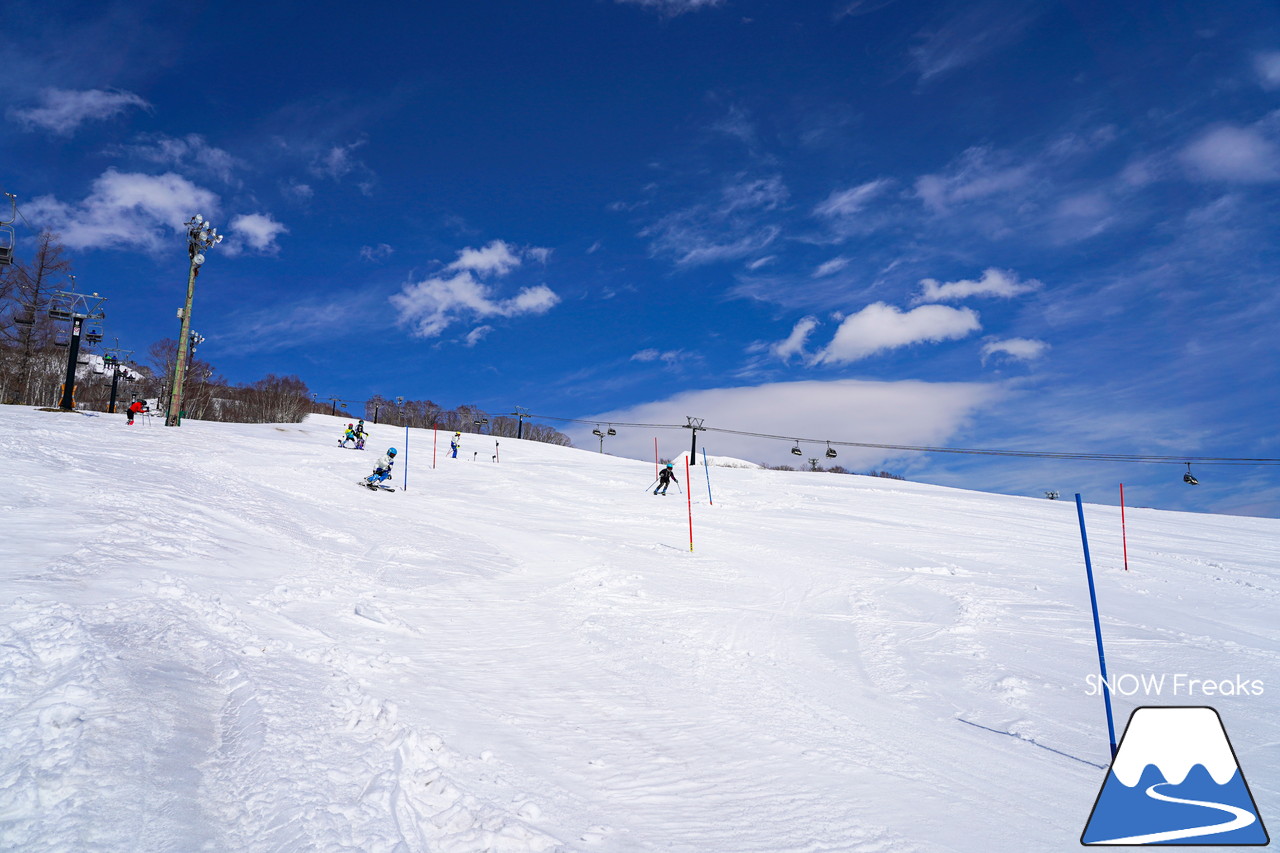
(382, 471)
(349, 434)
(361, 435)
(455, 443)
(665, 476)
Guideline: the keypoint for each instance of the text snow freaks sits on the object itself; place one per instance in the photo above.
(1177, 684)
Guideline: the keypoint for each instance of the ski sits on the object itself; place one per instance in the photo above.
(374, 488)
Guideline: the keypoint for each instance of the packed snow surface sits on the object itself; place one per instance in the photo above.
(213, 639)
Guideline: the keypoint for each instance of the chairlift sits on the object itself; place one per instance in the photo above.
(611, 431)
(60, 313)
(93, 336)
(1189, 478)
(7, 238)
(831, 451)
(61, 342)
(82, 359)
(796, 451)
(24, 320)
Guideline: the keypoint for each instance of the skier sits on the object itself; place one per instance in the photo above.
(349, 434)
(455, 443)
(665, 476)
(382, 471)
(361, 435)
(137, 407)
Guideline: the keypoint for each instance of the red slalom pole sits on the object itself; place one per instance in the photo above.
(689, 496)
(1124, 536)
(435, 433)
(655, 456)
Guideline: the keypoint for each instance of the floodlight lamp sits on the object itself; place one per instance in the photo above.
(199, 218)
(198, 259)
(219, 240)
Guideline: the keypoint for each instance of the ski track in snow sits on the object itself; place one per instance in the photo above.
(214, 640)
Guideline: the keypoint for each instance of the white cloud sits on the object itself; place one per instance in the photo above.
(497, 258)
(831, 267)
(1233, 154)
(432, 305)
(794, 343)
(912, 412)
(668, 357)
(1019, 349)
(63, 110)
(1267, 65)
(994, 282)
(671, 8)
(476, 335)
(880, 327)
(380, 252)
(851, 202)
(976, 175)
(257, 230)
(126, 210)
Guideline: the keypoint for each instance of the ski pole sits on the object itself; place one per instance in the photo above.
(651, 485)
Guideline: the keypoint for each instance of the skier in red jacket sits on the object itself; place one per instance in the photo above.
(137, 407)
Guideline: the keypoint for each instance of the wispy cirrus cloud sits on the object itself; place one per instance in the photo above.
(732, 226)
(62, 111)
(125, 210)
(880, 327)
(974, 32)
(190, 152)
(979, 173)
(430, 306)
(338, 162)
(672, 8)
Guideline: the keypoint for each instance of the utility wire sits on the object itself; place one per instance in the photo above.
(1037, 454)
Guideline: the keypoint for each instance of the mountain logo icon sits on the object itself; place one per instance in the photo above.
(1175, 781)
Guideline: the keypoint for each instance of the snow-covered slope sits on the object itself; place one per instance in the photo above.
(212, 639)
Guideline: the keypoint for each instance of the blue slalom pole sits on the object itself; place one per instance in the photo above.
(707, 468)
(1097, 628)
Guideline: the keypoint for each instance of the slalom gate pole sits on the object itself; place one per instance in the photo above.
(435, 436)
(707, 469)
(1124, 535)
(655, 456)
(406, 457)
(689, 495)
(495, 451)
(1097, 628)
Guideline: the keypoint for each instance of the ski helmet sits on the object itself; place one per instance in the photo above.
(391, 451)
(669, 465)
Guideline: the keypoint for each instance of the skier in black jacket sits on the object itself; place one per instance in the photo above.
(665, 476)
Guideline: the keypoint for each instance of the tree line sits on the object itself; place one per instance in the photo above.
(33, 365)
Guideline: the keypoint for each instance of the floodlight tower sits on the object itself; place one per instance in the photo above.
(201, 236)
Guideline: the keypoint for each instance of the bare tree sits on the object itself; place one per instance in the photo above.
(29, 362)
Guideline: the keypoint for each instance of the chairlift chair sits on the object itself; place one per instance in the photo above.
(59, 313)
(93, 336)
(831, 451)
(1189, 478)
(24, 320)
(7, 238)
(796, 451)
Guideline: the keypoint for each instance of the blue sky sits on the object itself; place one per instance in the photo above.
(1032, 225)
